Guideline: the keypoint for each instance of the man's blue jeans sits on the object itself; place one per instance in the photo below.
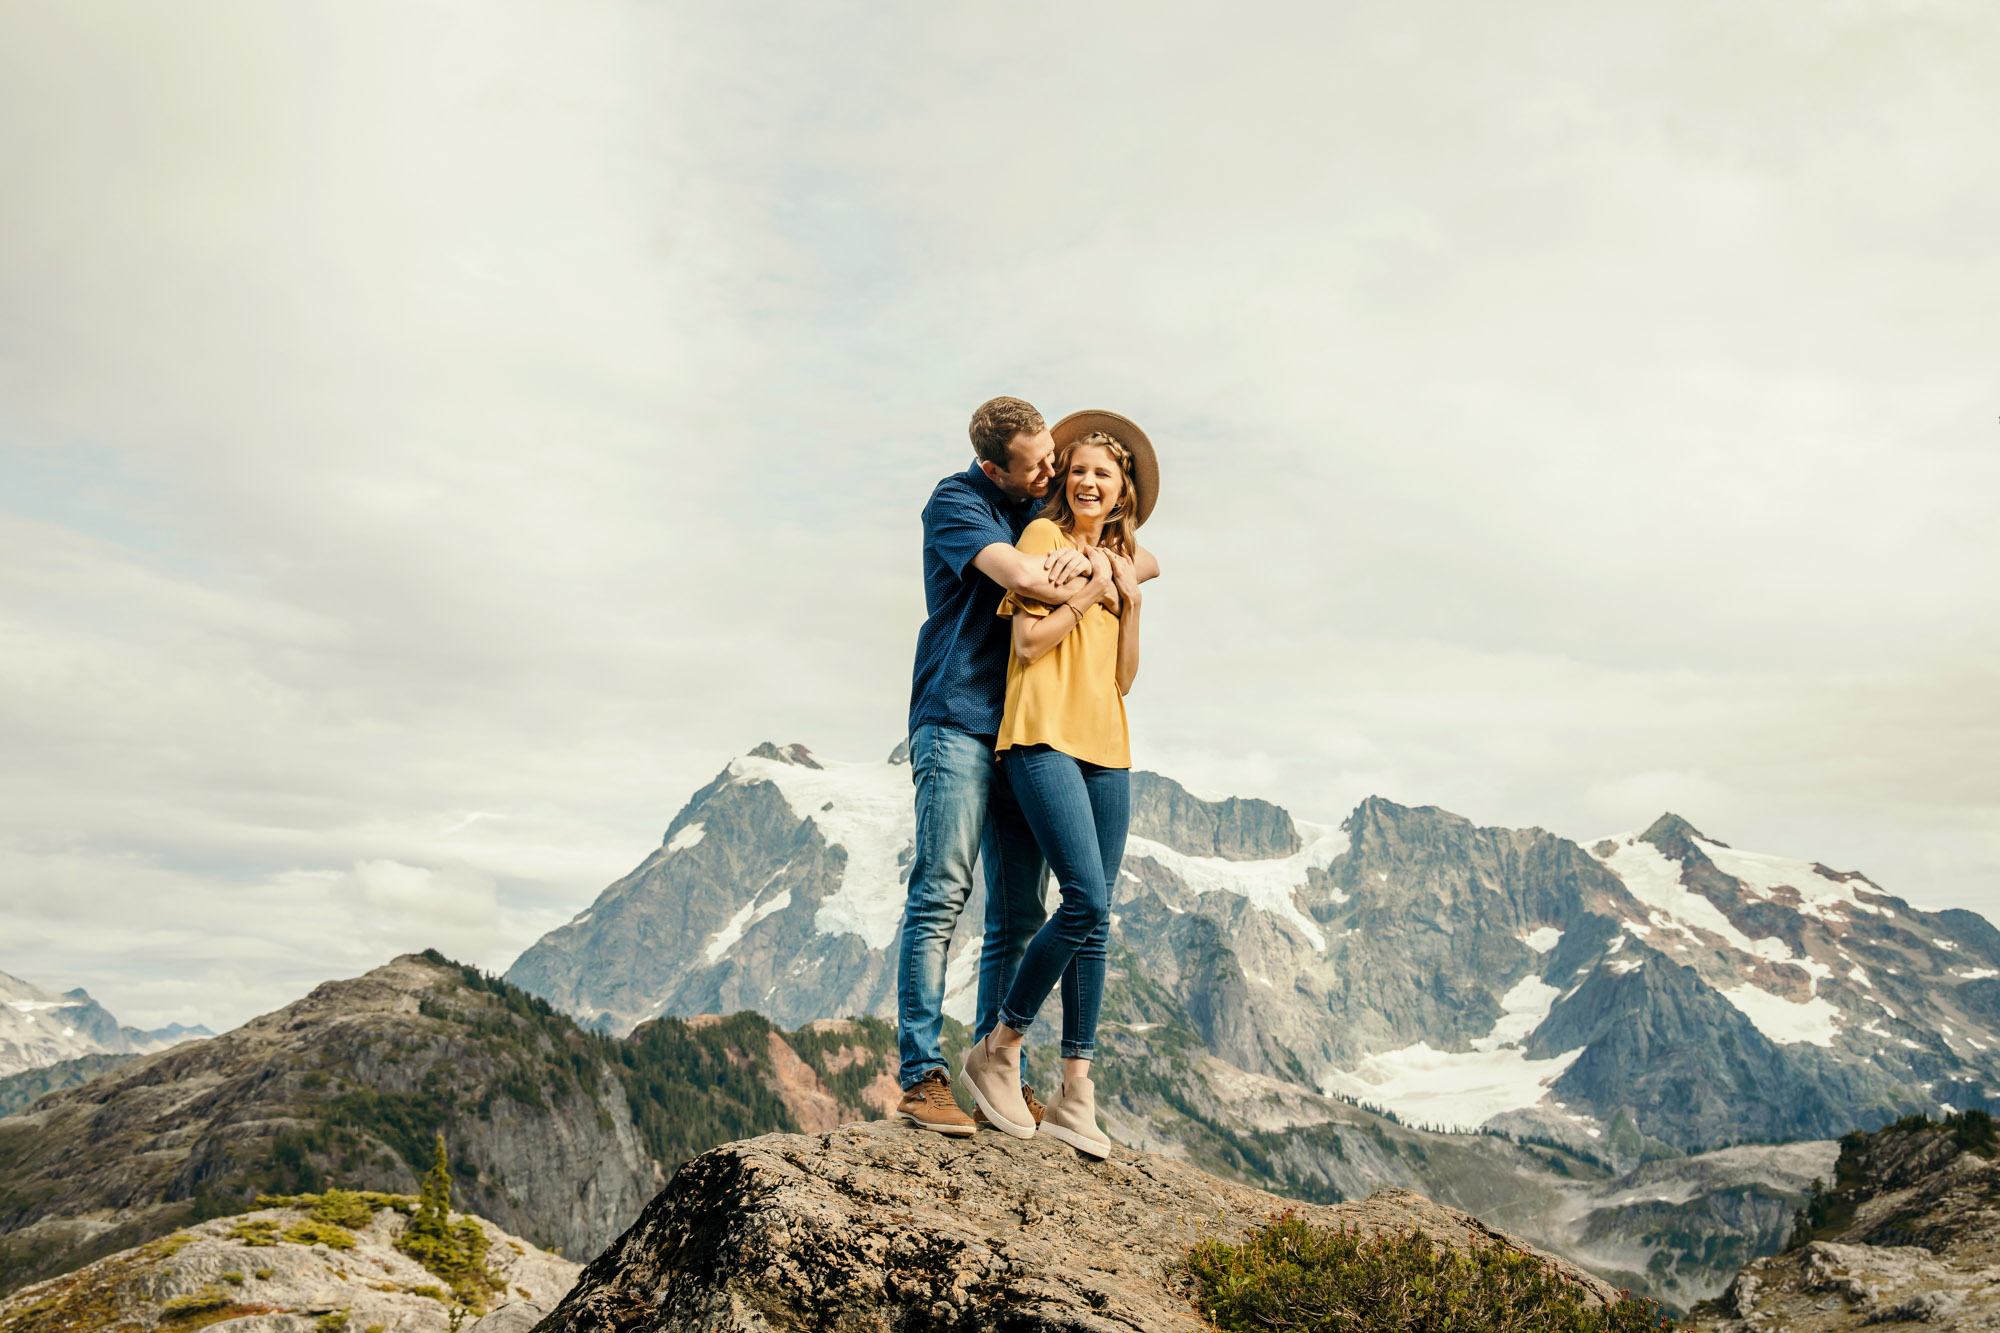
(1079, 813)
(966, 812)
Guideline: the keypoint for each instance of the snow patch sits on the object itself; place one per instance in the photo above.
(689, 836)
(1542, 939)
(1976, 973)
(746, 916)
(1764, 875)
(1815, 1021)
(1463, 1089)
(1451, 1089)
(1522, 1010)
(1272, 885)
(961, 979)
(1655, 881)
(865, 809)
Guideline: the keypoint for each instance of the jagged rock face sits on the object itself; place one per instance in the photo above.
(1908, 1232)
(40, 1027)
(246, 1272)
(880, 1226)
(1233, 829)
(1459, 975)
(354, 1078)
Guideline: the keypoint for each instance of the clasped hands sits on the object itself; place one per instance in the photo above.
(1097, 575)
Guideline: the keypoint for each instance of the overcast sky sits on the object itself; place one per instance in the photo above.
(435, 437)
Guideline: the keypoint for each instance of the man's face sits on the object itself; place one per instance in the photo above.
(1033, 464)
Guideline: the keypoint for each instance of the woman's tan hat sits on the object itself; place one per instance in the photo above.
(1145, 465)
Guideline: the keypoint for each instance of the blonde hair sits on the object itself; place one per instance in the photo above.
(1119, 532)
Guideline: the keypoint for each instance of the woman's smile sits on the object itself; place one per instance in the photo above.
(1095, 482)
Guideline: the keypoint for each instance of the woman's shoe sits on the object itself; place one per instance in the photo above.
(994, 1078)
(1071, 1117)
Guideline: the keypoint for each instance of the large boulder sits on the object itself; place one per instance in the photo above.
(879, 1226)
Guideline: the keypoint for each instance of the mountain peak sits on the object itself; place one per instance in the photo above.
(1675, 837)
(794, 753)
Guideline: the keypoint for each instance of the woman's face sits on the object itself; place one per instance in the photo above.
(1094, 482)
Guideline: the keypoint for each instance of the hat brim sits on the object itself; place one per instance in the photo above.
(1145, 463)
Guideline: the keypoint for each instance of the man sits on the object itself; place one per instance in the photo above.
(971, 524)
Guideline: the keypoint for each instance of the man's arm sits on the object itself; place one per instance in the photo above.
(1052, 578)
(1143, 563)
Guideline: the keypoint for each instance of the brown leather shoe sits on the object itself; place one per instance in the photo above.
(1035, 1108)
(927, 1104)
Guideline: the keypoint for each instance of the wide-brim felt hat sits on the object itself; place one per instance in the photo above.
(1145, 463)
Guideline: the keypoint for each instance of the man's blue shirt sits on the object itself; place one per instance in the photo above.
(961, 673)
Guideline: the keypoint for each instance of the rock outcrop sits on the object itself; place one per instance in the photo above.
(350, 1083)
(878, 1226)
(284, 1270)
(557, 1133)
(1908, 1233)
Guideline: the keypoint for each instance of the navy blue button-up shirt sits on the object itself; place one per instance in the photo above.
(961, 674)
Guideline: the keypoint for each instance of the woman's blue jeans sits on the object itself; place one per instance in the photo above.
(1079, 813)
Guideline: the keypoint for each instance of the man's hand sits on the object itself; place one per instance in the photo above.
(1125, 578)
(1060, 566)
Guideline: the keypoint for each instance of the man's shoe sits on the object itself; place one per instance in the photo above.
(927, 1104)
(1027, 1095)
(1072, 1118)
(994, 1079)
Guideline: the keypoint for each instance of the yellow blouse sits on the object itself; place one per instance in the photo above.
(1068, 698)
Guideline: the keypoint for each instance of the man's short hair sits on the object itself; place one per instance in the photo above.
(995, 425)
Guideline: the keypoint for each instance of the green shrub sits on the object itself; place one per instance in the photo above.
(455, 1251)
(233, 1279)
(201, 1302)
(310, 1232)
(334, 1322)
(262, 1275)
(1307, 1279)
(255, 1231)
(342, 1208)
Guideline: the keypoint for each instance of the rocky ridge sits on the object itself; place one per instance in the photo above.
(874, 1226)
(286, 1270)
(559, 1134)
(1908, 1232)
(41, 1027)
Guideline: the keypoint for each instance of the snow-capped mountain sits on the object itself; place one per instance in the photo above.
(1659, 984)
(42, 1027)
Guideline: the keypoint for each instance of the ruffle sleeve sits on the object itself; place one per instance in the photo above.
(1038, 538)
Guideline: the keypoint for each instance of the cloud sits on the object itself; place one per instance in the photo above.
(438, 436)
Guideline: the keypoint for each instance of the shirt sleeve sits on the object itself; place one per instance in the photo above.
(1040, 537)
(959, 526)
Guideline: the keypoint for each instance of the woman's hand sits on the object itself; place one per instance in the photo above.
(1125, 578)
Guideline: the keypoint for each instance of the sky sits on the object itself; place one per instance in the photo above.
(435, 437)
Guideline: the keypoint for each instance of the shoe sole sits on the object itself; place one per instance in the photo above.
(1088, 1147)
(994, 1118)
(955, 1131)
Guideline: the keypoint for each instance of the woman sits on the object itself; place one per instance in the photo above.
(1066, 753)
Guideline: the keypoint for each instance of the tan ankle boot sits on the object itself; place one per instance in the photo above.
(1071, 1117)
(993, 1076)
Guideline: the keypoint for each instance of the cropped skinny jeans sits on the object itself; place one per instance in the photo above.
(1079, 813)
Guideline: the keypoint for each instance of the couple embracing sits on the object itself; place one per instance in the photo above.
(1020, 753)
